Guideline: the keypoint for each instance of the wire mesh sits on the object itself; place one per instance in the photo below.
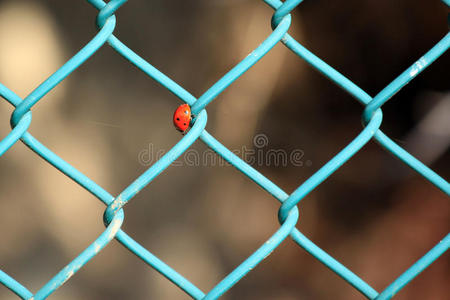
(288, 213)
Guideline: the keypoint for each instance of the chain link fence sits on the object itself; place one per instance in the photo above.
(288, 213)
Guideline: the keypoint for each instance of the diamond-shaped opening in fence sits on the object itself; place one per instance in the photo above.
(177, 38)
(113, 122)
(179, 212)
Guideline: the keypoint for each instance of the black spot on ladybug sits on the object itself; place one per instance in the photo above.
(184, 123)
(178, 119)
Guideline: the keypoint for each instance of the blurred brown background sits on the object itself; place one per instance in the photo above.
(374, 215)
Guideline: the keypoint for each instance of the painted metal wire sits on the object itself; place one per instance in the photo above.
(288, 213)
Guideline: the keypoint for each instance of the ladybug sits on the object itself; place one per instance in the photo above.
(182, 117)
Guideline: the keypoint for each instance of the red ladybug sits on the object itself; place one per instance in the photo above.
(182, 117)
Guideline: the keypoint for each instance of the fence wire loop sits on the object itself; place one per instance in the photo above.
(108, 11)
(288, 213)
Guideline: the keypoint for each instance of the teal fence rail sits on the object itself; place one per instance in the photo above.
(288, 213)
